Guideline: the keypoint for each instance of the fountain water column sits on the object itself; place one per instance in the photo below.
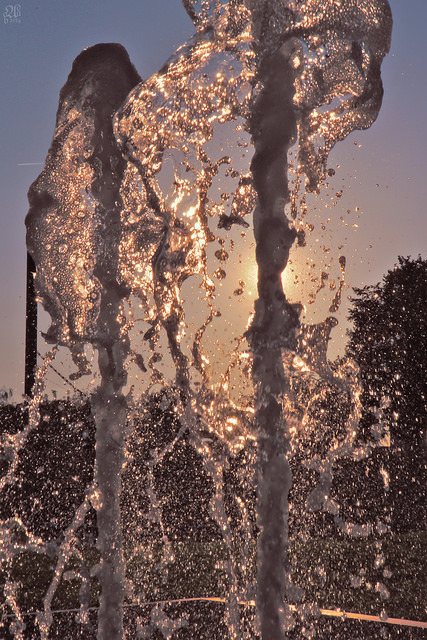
(109, 408)
(110, 415)
(276, 321)
(108, 402)
(74, 229)
(274, 327)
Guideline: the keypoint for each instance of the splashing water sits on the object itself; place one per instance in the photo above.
(153, 201)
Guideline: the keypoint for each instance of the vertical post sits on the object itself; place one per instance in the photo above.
(30, 329)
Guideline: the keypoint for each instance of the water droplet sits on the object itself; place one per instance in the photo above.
(220, 274)
(221, 254)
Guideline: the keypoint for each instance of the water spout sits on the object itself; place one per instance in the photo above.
(73, 235)
(274, 327)
(145, 201)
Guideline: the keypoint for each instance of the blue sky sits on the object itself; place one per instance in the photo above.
(36, 55)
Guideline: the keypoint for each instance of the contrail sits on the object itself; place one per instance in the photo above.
(28, 164)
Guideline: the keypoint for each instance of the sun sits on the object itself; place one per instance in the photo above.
(249, 274)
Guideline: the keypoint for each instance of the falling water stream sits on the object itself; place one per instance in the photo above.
(156, 199)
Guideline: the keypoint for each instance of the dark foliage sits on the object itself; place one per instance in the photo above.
(389, 342)
(182, 486)
(54, 468)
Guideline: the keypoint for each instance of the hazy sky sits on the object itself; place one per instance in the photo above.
(381, 171)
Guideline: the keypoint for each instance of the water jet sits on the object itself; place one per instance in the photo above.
(138, 225)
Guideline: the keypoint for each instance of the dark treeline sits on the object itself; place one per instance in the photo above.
(56, 464)
(389, 343)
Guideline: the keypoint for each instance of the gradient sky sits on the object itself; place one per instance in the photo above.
(381, 171)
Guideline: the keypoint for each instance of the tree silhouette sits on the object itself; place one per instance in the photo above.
(389, 342)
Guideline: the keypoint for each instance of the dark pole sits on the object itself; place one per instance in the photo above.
(30, 330)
